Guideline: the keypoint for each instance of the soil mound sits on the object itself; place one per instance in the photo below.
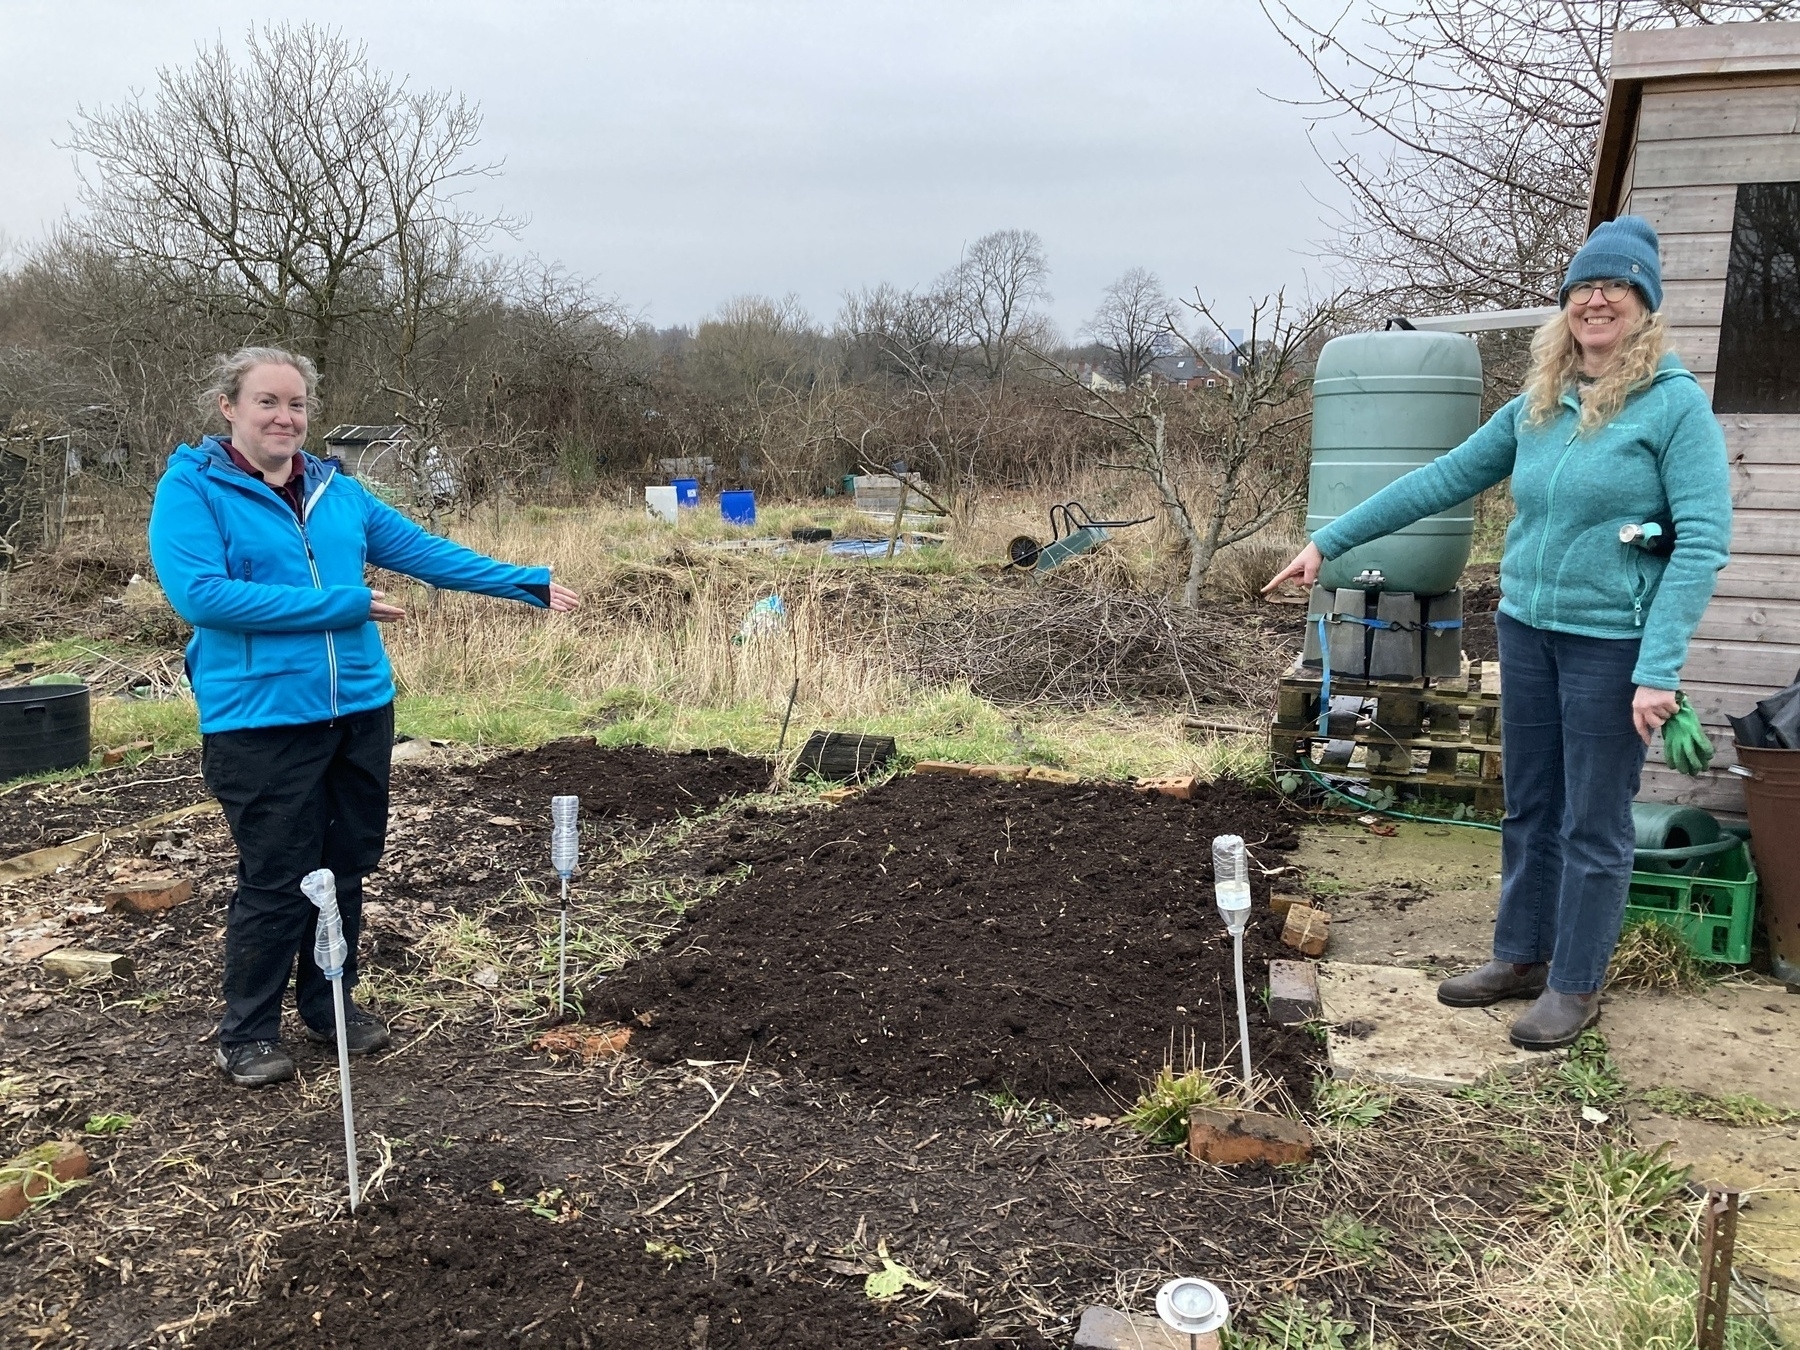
(939, 933)
(631, 783)
(424, 1273)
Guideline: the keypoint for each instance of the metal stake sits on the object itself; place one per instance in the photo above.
(343, 1047)
(562, 952)
(1718, 1240)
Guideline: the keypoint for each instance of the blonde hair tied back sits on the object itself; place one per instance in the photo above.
(228, 372)
(1556, 359)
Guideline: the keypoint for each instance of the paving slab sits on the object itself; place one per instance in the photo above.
(1424, 896)
(1385, 1023)
(1740, 1036)
(1110, 1329)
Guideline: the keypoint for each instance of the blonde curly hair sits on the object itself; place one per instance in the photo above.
(1556, 359)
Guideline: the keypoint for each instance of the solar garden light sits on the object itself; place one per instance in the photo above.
(329, 953)
(1192, 1305)
(1231, 888)
(565, 850)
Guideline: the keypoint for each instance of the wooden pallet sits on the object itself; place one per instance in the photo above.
(1436, 737)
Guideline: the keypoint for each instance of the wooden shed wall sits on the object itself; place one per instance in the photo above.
(1696, 139)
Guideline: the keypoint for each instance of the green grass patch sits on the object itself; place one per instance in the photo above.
(1160, 1114)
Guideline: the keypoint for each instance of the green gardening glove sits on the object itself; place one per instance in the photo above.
(1685, 743)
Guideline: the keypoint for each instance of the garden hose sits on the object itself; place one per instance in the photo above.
(1685, 744)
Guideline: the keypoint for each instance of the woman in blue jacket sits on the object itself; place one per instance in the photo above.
(261, 547)
(1610, 431)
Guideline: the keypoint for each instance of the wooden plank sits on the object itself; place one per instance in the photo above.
(1770, 665)
(1720, 793)
(1696, 257)
(1756, 576)
(1740, 620)
(1713, 109)
(1718, 160)
(1694, 304)
(1714, 703)
(1767, 487)
(1686, 210)
(1773, 532)
(1698, 348)
(1610, 184)
(1762, 438)
(1705, 49)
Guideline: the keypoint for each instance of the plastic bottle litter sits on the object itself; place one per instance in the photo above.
(766, 616)
(565, 856)
(1231, 891)
(330, 952)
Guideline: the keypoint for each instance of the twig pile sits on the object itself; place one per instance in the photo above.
(1080, 646)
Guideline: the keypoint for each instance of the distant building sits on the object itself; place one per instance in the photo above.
(385, 457)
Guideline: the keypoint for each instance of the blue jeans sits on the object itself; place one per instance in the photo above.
(1572, 762)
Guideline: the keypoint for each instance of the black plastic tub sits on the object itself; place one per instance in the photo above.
(43, 727)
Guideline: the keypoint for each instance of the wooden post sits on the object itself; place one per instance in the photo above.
(899, 515)
(1718, 1239)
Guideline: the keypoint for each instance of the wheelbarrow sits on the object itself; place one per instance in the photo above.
(1073, 531)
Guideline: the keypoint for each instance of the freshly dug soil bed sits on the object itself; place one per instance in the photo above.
(490, 822)
(632, 783)
(42, 814)
(425, 1272)
(939, 933)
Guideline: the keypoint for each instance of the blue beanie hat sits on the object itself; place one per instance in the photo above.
(1624, 249)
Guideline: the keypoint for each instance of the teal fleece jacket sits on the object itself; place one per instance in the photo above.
(1662, 458)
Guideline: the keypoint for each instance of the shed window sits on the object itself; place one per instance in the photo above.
(1759, 337)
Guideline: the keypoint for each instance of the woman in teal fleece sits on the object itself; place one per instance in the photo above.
(1610, 431)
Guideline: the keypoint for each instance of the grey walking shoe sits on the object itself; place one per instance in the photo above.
(1491, 983)
(1555, 1020)
(364, 1033)
(254, 1063)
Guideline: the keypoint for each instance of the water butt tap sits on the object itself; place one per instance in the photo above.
(1192, 1305)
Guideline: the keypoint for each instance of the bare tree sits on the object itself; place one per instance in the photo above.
(1229, 461)
(297, 186)
(1135, 324)
(1471, 131)
(994, 292)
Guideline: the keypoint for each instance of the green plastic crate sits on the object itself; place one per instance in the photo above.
(1715, 913)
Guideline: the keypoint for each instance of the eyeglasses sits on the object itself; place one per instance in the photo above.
(1612, 290)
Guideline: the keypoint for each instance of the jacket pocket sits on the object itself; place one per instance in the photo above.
(1597, 583)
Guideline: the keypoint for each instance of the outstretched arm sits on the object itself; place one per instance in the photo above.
(400, 545)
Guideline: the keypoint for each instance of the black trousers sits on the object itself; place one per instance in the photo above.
(297, 798)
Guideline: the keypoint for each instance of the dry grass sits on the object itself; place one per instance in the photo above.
(1654, 955)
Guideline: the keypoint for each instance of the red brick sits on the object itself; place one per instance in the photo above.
(150, 895)
(1231, 1138)
(1182, 789)
(943, 766)
(29, 1175)
(1307, 930)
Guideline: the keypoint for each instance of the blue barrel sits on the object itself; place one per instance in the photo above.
(687, 492)
(738, 507)
(1383, 405)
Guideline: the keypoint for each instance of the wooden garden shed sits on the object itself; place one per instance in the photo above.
(1701, 136)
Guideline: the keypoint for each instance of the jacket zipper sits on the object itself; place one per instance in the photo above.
(1549, 511)
(247, 636)
(312, 564)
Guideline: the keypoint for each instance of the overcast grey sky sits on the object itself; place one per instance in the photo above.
(683, 151)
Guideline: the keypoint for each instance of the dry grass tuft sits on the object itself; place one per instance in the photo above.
(1654, 955)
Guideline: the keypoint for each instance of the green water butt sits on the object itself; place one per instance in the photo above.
(1385, 404)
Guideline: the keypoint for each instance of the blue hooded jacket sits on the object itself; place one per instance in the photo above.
(282, 634)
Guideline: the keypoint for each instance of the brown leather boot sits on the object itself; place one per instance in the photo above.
(1555, 1020)
(1491, 983)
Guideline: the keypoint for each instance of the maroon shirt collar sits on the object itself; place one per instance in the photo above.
(293, 491)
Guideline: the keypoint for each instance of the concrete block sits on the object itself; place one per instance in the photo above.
(1110, 1329)
(1229, 1138)
(1293, 992)
(1385, 1023)
(31, 1174)
(75, 964)
(1039, 774)
(1182, 789)
(1307, 930)
(149, 894)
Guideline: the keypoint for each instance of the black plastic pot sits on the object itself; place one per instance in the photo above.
(43, 727)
